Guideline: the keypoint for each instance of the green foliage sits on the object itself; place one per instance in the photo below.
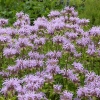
(88, 9)
(35, 8)
(8, 9)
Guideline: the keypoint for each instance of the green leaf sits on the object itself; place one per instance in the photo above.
(2, 98)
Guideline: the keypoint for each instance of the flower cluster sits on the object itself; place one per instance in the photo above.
(53, 59)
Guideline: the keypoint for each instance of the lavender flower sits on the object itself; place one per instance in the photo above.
(5, 39)
(57, 88)
(22, 43)
(54, 14)
(10, 85)
(54, 54)
(41, 22)
(36, 55)
(69, 47)
(59, 39)
(91, 49)
(10, 52)
(84, 41)
(32, 96)
(40, 41)
(66, 95)
(3, 22)
(78, 67)
(71, 36)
